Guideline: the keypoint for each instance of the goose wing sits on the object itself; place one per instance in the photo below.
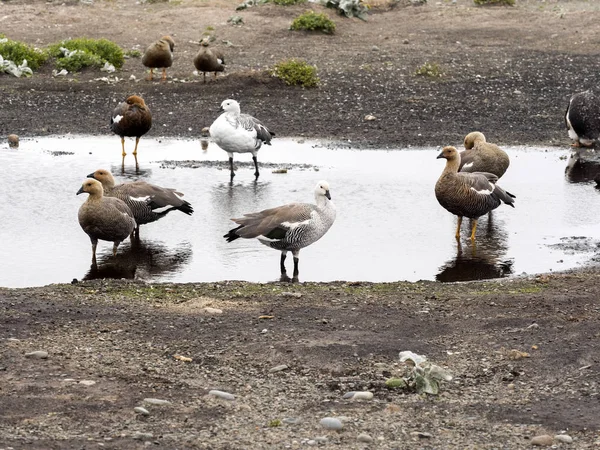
(274, 223)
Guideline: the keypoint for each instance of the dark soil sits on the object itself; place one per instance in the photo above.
(524, 353)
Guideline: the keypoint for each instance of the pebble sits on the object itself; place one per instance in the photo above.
(222, 394)
(39, 354)
(291, 294)
(321, 439)
(12, 339)
(291, 420)
(87, 382)
(278, 368)
(370, 117)
(210, 310)
(139, 436)
(311, 442)
(157, 401)
(360, 395)
(421, 434)
(543, 440)
(331, 423)
(364, 437)
(564, 438)
(142, 411)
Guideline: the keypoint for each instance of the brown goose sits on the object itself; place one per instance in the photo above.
(209, 60)
(131, 118)
(159, 55)
(147, 202)
(481, 156)
(105, 218)
(582, 118)
(468, 194)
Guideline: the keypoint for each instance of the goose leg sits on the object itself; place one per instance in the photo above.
(473, 229)
(94, 245)
(255, 159)
(458, 228)
(231, 166)
(296, 261)
(115, 248)
(204, 77)
(123, 154)
(137, 140)
(282, 262)
(164, 75)
(149, 78)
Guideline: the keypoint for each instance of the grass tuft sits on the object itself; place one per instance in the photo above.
(295, 72)
(312, 21)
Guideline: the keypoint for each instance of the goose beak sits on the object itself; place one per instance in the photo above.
(328, 195)
(221, 109)
(441, 155)
(80, 191)
(91, 175)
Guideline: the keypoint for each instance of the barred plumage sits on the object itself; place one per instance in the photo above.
(147, 202)
(289, 227)
(239, 133)
(482, 156)
(468, 194)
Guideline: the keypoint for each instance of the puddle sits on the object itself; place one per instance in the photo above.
(389, 226)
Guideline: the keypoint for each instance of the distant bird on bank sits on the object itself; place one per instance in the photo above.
(209, 60)
(159, 55)
(239, 133)
(13, 140)
(482, 156)
(465, 194)
(582, 118)
(131, 118)
(147, 202)
(104, 218)
(289, 227)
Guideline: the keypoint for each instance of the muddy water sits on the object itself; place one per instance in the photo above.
(389, 225)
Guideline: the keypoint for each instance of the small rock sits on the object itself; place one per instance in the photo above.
(39, 354)
(278, 368)
(139, 436)
(406, 41)
(421, 434)
(12, 339)
(210, 310)
(370, 117)
(374, 48)
(360, 395)
(321, 439)
(87, 382)
(331, 423)
(564, 438)
(291, 420)
(291, 294)
(222, 394)
(279, 171)
(157, 401)
(13, 140)
(311, 442)
(264, 331)
(142, 411)
(364, 437)
(543, 440)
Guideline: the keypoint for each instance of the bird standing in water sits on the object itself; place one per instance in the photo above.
(131, 118)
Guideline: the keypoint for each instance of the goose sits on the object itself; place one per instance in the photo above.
(159, 55)
(468, 194)
(239, 133)
(104, 218)
(289, 228)
(209, 60)
(13, 140)
(582, 118)
(482, 156)
(131, 118)
(147, 202)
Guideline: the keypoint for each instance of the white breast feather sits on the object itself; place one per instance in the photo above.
(117, 118)
(485, 191)
(468, 165)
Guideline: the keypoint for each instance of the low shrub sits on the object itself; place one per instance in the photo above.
(87, 52)
(296, 72)
(312, 21)
(18, 51)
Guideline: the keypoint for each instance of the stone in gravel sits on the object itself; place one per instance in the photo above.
(421, 434)
(278, 368)
(311, 442)
(87, 382)
(322, 439)
(210, 310)
(39, 354)
(291, 294)
(331, 423)
(360, 395)
(139, 436)
(222, 394)
(364, 437)
(142, 411)
(291, 420)
(157, 401)
(544, 440)
(564, 438)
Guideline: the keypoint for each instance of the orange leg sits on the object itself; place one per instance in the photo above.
(123, 154)
(473, 229)
(151, 75)
(137, 140)
(164, 75)
(457, 235)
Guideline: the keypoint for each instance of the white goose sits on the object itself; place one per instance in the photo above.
(239, 133)
(289, 227)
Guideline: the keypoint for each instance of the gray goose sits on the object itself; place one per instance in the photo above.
(239, 133)
(131, 118)
(469, 195)
(289, 227)
(147, 202)
(104, 218)
(159, 55)
(582, 118)
(482, 156)
(209, 60)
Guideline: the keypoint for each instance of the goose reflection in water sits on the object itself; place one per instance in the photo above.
(482, 260)
(583, 165)
(141, 260)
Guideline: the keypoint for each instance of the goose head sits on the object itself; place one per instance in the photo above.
(104, 177)
(322, 190)
(92, 187)
(449, 153)
(230, 105)
(473, 138)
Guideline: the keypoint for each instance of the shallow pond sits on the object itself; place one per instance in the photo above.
(389, 226)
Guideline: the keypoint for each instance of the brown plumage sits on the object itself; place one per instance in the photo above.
(131, 118)
(144, 199)
(468, 194)
(104, 218)
(209, 60)
(159, 55)
(482, 156)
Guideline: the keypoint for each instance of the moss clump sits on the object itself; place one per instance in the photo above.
(288, 2)
(16, 52)
(84, 52)
(311, 21)
(429, 70)
(134, 53)
(494, 2)
(296, 72)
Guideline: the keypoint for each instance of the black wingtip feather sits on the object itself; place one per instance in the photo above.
(186, 208)
(232, 235)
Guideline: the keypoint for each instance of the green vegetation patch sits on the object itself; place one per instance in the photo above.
(295, 72)
(312, 21)
(429, 70)
(84, 52)
(494, 2)
(18, 51)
